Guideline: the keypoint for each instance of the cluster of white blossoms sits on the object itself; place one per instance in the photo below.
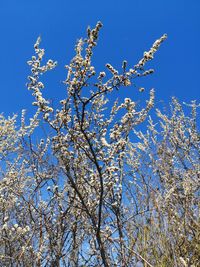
(37, 69)
(7, 135)
(148, 55)
(16, 228)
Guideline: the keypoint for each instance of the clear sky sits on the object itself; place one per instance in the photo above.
(130, 27)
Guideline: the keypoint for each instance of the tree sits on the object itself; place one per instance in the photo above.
(87, 194)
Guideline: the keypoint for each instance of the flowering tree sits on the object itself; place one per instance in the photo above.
(87, 195)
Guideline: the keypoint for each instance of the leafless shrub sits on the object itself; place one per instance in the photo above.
(87, 195)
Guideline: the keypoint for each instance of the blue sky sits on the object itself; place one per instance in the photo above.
(130, 27)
